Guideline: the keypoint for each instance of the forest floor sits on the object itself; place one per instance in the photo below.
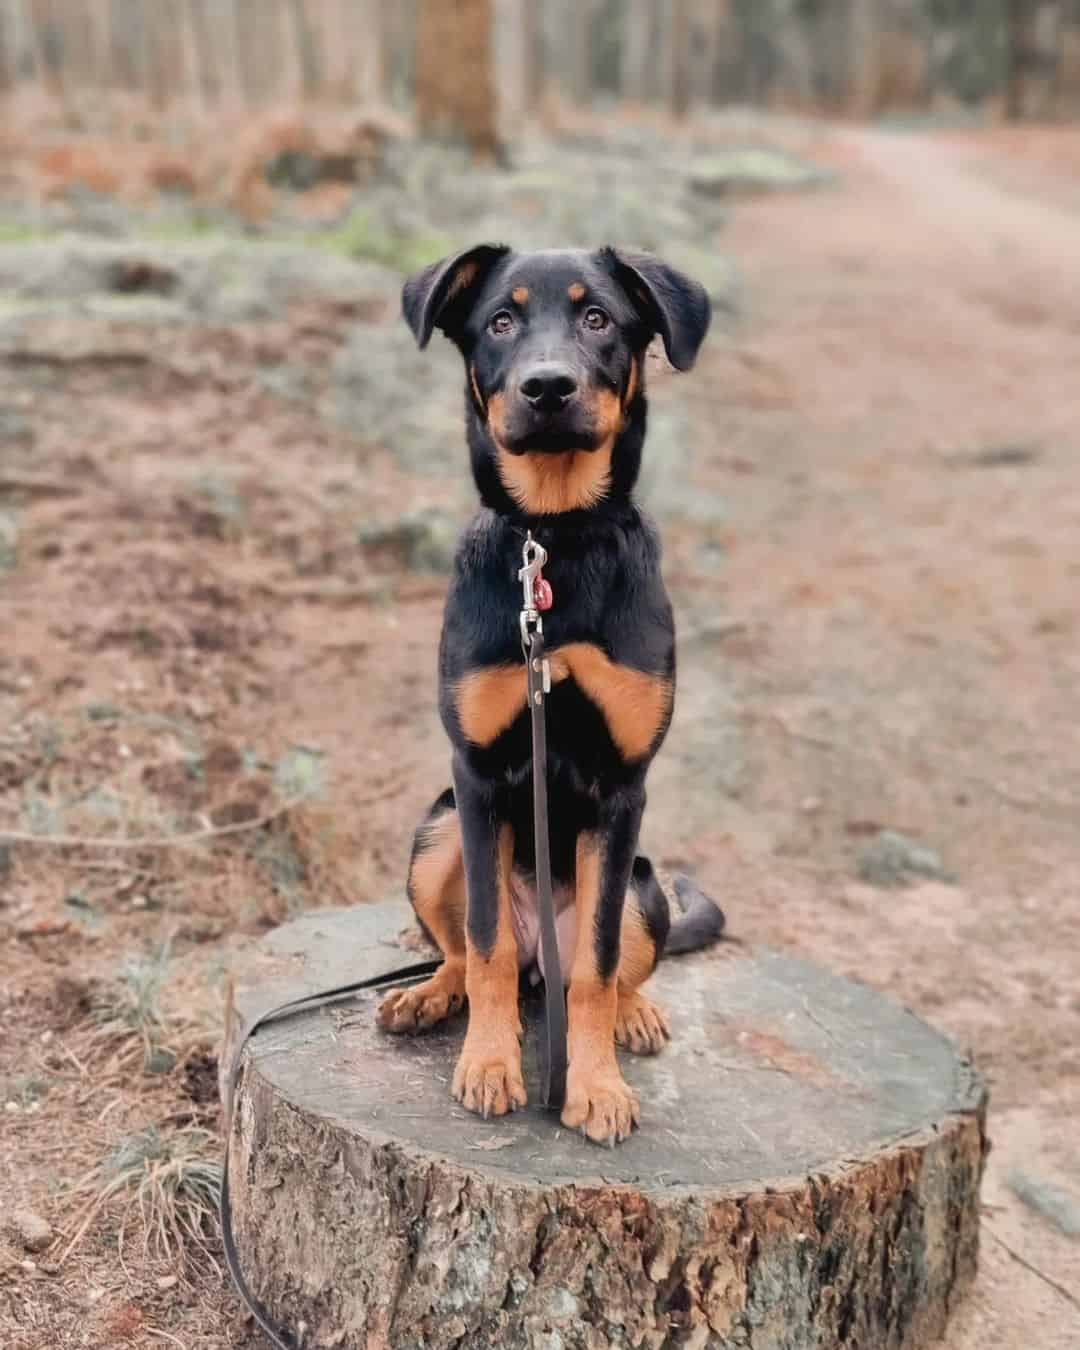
(221, 613)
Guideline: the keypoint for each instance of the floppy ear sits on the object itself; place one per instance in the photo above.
(668, 302)
(441, 295)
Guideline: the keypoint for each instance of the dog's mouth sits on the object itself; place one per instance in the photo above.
(522, 430)
(552, 440)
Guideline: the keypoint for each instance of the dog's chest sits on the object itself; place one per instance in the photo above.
(634, 705)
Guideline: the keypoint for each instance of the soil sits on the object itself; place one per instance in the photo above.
(879, 632)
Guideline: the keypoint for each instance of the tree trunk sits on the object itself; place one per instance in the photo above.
(1021, 43)
(637, 31)
(1067, 87)
(304, 39)
(455, 90)
(806, 1172)
(865, 77)
(680, 58)
(578, 29)
(534, 55)
(366, 18)
(1035, 29)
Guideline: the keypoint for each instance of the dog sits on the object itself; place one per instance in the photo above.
(554, 346)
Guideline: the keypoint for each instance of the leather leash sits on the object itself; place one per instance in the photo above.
(553, 1051)
(278, 1336)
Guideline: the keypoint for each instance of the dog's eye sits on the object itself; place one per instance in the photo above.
(596, 319)
(502, 322)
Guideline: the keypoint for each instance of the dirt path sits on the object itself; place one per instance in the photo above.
(875, 573)
(907, 553)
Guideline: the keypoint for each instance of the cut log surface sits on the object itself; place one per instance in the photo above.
(806, 1173)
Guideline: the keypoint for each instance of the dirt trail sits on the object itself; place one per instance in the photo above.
(910, 564)
(875, 575)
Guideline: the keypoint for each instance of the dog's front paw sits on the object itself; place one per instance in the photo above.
(425, 1005)
(600, 1104)
(488, 1077)
(640, 1026)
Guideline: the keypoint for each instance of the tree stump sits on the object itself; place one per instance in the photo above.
(806, 1174)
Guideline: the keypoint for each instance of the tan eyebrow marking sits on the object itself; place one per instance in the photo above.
(576, 291)
(520, 295)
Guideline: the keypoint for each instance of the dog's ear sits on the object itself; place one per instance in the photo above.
(668, 302)
(440, 296)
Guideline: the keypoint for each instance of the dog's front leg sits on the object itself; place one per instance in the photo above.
(598, 1100)
(488, 1074)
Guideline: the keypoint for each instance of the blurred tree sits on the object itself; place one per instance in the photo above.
(1067, 88)
(455, 90)
(535, 54)
(705, 16)
(606, 41)
(368, 43)
(399, 22)
(1035, 31)
(636, 36)
(577, 26)
(969, 52)
(303, 43)
(679, 40)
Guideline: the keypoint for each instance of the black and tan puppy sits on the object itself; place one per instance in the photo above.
(554, 346)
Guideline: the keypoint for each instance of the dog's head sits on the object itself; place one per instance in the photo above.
(554, 346)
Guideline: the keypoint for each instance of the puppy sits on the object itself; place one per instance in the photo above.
(554, 348)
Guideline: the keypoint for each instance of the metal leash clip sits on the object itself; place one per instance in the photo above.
(533, 556)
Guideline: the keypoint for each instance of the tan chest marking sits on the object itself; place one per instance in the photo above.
(488, 701)
(634, 703)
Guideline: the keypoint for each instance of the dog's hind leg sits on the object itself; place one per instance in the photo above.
(656, 923)
(437, 891)
(640, 1025)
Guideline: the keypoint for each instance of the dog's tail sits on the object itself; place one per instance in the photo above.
(696, 921)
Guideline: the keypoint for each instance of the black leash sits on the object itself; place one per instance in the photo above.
(404, 975)
(553, 1052)
(553, 1040)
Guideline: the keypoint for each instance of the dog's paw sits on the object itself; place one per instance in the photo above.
(425, 1005)
(640, 1026)
(601, 1105)
(488, 1078)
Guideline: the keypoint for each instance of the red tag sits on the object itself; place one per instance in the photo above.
(542, 595)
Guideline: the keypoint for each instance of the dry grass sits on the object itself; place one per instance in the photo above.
(121, 145)
(169, 1182)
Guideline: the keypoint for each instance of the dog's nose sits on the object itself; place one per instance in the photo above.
(549, 387)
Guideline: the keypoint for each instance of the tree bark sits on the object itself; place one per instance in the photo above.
(367, 22)
(455, 90)
(578, 29)
(1067, 84)
(534, 55)
(637, 29)
(1021, 22)
(307, 51)
(680, 58)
